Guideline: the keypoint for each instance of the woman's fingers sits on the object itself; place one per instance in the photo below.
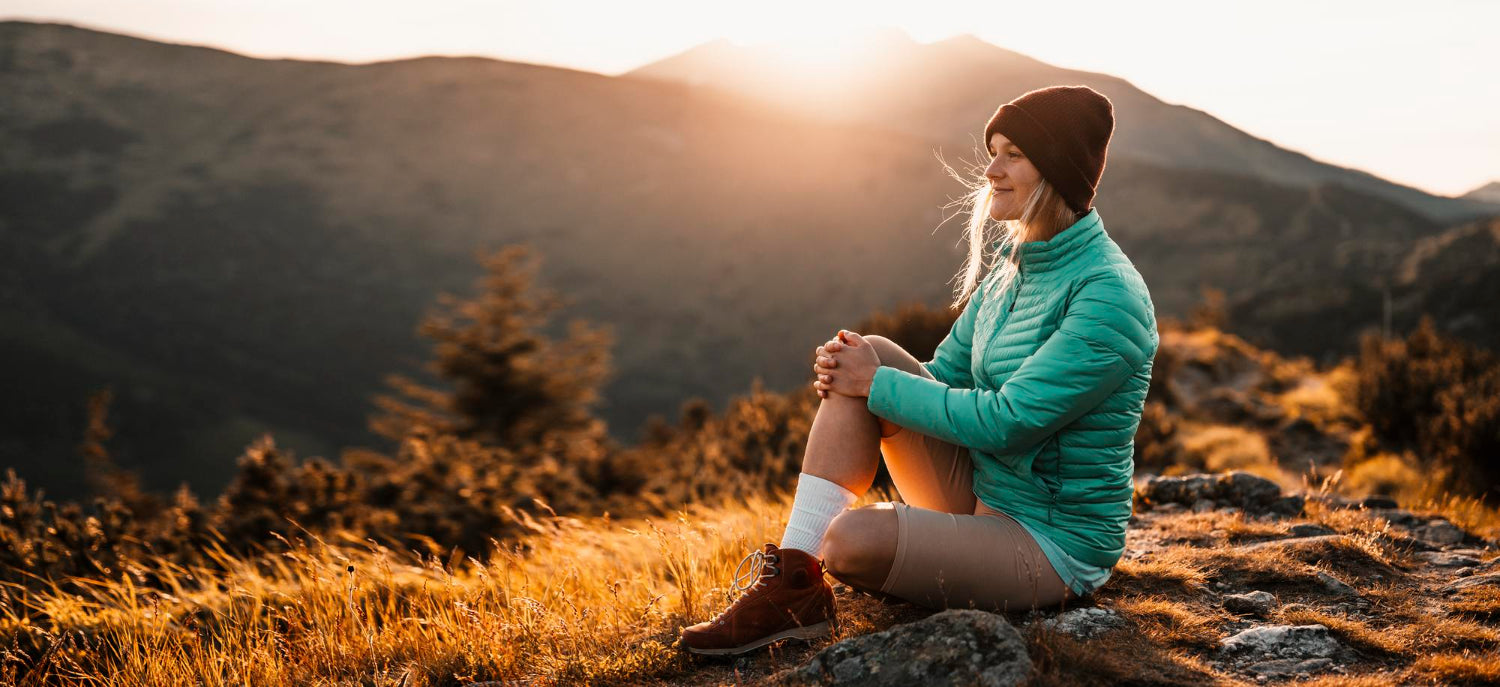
(824, 364)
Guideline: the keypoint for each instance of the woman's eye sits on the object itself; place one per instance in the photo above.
(1014, 155)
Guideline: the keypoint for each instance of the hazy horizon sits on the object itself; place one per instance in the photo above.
(1437, 136)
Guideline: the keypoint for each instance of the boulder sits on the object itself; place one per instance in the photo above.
(1283, 641)
(954, 647)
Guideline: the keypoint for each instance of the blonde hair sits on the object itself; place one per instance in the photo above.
(1042, 217)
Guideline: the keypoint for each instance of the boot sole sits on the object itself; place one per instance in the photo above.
(806, 632)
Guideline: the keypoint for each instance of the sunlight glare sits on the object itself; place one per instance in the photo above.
(823, 37)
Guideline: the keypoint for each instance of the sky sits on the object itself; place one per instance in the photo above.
(1393, 88)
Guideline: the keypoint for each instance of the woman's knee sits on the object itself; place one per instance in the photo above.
(891, 354)
(888, 351)
(861, 545)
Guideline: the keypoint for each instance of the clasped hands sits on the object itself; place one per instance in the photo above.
(845, 365)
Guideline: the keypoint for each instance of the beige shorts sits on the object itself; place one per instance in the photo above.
(952, 550)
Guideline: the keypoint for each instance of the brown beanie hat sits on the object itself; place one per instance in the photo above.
(1065, 131)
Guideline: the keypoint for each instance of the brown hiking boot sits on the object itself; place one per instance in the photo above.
(788, 598)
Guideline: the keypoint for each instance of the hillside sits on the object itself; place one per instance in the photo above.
(1451, 276)
(242, 245)
(1399, 597)
(1273, 540)
(944, 91)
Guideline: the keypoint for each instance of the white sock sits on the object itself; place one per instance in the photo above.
(816, 503)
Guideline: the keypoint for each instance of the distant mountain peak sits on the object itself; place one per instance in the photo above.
(1488, 193)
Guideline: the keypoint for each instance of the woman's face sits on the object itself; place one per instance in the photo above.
(1012, 179)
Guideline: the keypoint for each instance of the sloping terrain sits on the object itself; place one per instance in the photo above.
(946, 90)
(241, 245)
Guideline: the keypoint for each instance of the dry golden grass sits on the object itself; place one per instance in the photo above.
(1477, 603)
(1354, 632)
(1172, 623)
(1400, 624)
(1159, 574)
(1116, 658)
(1471, 513)
(587, 602)
(1218, 527)
(1376, 680)
(598, 601)
(1459, 668)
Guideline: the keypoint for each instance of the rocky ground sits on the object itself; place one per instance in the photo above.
(1225, 580)
(1243, 564)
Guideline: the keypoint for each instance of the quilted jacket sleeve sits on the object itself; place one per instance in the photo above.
(951, 362)
(1106, 334)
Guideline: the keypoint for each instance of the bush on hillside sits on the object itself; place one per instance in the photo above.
(1438, 396)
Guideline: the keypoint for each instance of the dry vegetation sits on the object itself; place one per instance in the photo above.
(509, 541)
(599, 601)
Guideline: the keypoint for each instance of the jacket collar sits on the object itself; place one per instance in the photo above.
(1037, 256)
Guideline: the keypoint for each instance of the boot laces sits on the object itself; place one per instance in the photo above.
(762, 565)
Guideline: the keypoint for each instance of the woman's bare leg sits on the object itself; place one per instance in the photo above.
(839, 465)
(843, 445)
(860, 544)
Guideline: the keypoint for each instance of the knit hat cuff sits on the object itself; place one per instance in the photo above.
(1045, 151)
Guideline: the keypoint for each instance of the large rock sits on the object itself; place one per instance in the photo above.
(954, 647)
(1283, 641)
(1251, 492)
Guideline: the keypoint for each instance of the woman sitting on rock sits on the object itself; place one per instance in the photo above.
(1012, 449)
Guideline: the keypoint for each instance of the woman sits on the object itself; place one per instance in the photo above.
(1012, 449)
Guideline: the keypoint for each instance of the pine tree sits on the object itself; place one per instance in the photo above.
(507, 384)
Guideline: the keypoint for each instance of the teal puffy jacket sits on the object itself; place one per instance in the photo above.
(1045, 384)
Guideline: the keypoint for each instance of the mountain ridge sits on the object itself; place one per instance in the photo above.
(328, 204)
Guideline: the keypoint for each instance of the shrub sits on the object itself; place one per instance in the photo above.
(1436, 395)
